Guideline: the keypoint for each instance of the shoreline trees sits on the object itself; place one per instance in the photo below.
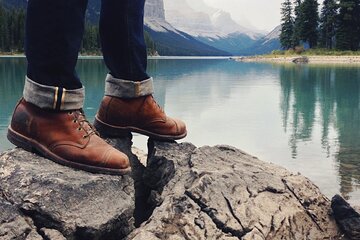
(337, 26)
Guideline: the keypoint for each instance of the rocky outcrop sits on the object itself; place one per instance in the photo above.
(60, 201)
(300, 60)
(347, 218)
(223, 193)
(183, 193)
(13, 224)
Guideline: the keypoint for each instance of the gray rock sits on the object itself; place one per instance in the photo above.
(34, 235)
(13, 224)
(223, 193)
(77, 204)
(52, 234)
(347, 217)
(300, 60)
(184, 193)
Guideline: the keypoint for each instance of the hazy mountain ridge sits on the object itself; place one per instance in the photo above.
(266, 44)
(168, 39)
(211, 26)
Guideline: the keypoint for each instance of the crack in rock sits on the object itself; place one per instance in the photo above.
(219, 224)
(303, 205)
(233, 214)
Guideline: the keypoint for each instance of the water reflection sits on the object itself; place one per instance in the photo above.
(335, 93)
(12, 72)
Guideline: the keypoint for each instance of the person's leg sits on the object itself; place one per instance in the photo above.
(54, 31)
(49, 119)
(122, 38)
(128, 105)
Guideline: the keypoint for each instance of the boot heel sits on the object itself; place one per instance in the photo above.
(19, 141)
(108, 131)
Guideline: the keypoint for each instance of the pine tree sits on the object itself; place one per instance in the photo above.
(357, 23)
(287, 25)
(91, 39)
(328, 23)
(309, 31)
(19, 29)
(2, 27)
(12, 29)
(298, 22)
(348, 29)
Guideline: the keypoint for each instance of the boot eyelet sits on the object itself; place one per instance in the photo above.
(85, 136)
(70, 113)
(74, 121)
(79, 129)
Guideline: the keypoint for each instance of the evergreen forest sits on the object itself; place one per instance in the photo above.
(12, 33)
(335, 26)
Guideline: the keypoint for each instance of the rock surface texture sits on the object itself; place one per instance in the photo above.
(184, 193)
(44, 200)
(223, 193)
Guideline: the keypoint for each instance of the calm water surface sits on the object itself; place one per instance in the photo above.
(304, 118)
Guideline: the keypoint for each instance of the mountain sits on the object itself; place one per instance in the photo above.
(170, 40)
(211, 26)
(266, 44)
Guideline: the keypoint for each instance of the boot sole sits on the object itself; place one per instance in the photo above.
(116, 131)
(31, 145)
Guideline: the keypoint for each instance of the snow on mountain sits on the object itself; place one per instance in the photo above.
(223, 21)
(207, 22)
(209, 25)
(172, 40)
(184, 18)
(200, 4)
(154, 9)
(266, 44)
(198, 24)
(154, 18)
(274, 34)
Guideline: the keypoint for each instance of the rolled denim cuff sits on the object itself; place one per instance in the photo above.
(128, 89)
(55, 98)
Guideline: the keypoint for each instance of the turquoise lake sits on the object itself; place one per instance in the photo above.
(305, 118)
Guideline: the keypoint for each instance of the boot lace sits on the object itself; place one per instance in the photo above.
(84, 124)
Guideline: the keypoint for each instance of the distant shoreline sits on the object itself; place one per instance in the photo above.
(277, 59)
(313, 59)
(149, 57)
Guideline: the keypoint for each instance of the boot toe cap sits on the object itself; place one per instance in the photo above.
(115, 159)
(180, 127)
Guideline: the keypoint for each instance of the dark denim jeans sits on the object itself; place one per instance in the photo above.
(54, 30)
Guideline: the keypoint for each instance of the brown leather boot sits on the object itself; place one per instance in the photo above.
(66, 138)
(119, 116)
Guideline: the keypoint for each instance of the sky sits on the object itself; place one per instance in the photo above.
(260, 14)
